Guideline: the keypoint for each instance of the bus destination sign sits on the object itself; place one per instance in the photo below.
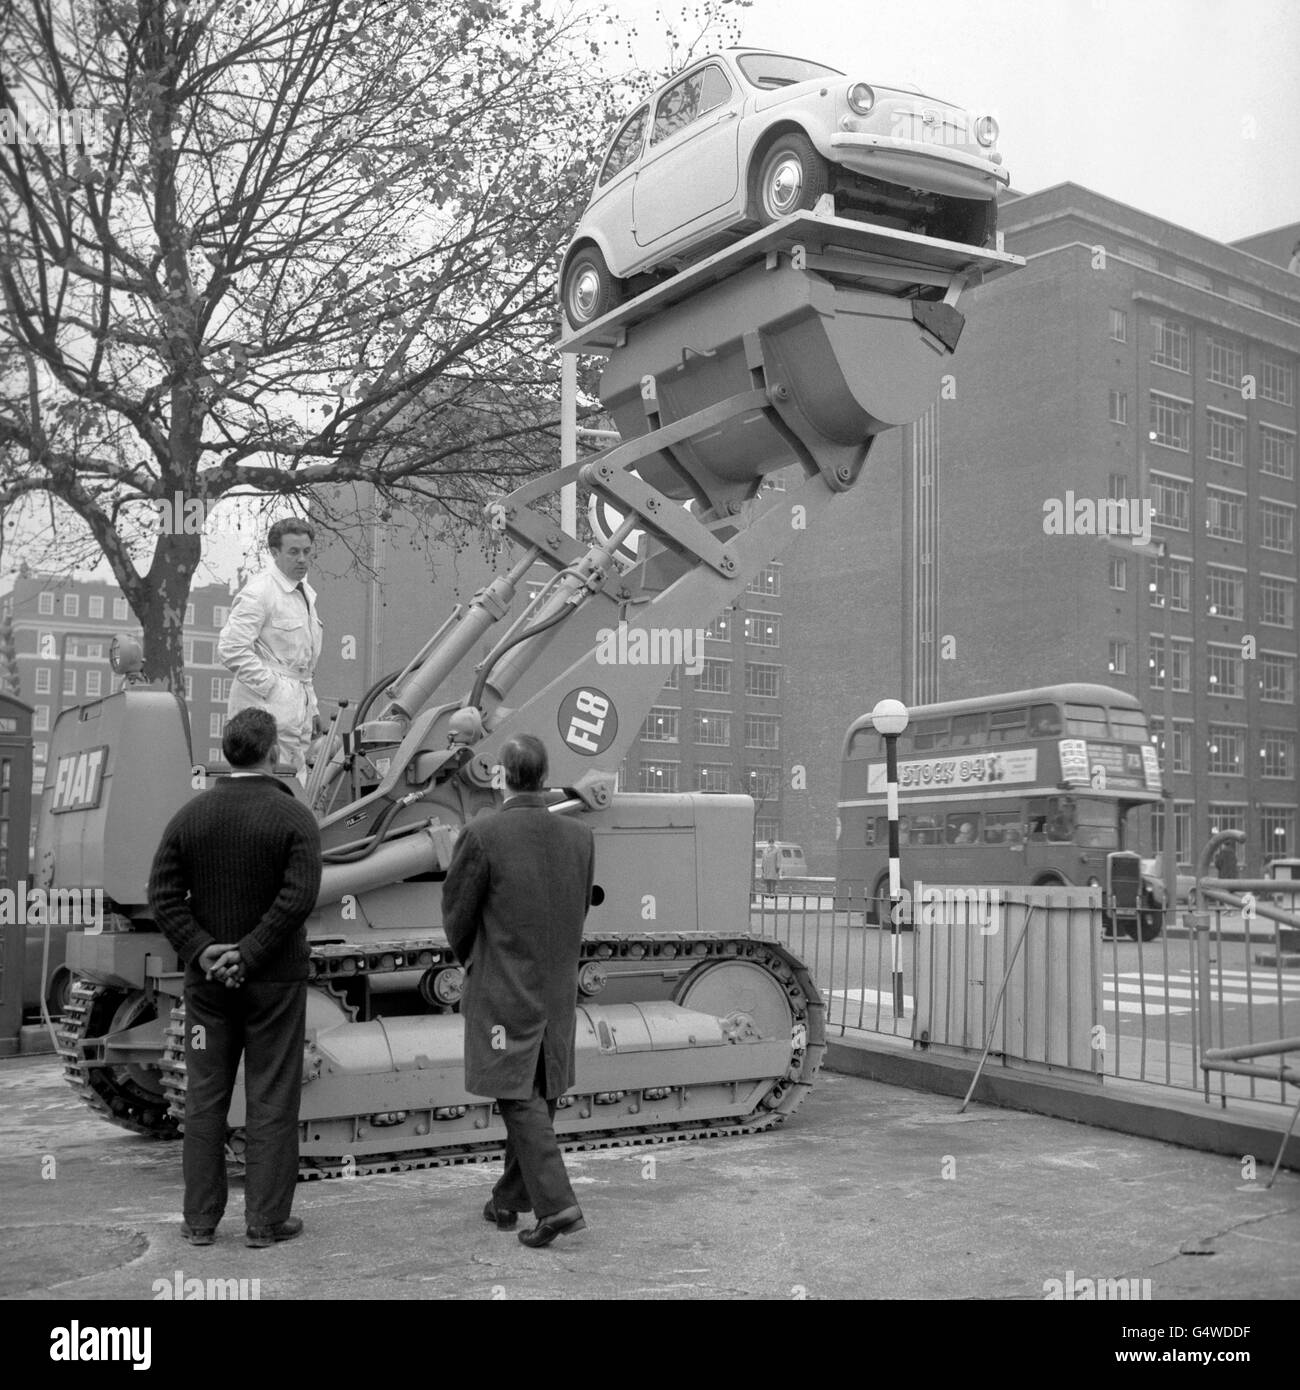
(1004, 768)
(1109, 766)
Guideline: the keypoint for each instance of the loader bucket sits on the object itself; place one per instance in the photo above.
(841, 364)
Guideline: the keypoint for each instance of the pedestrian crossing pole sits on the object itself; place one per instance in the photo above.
(890, 719)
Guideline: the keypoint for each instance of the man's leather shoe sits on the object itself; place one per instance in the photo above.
(559, 1224)
(198, 1235)
(258, 1237)
(503, 1219)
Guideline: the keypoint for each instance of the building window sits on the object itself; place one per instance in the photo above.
(1182, 749)
(1276, 452)
(713, 777)
(1226, 749)
(1225, 363)
(189, 614)
(715, 678)
(221, 616)
(93, 679)
(1118, 572)
(1223, 671)
(766, 582)
(215, 755)
(1180, 577)
(1171, 499)
(1182, 664)
(42, 680)
(40, 752)
(720, 628)
(1225, 437)
(1182, 831)
(221, 688)
(712, 728)
(660, 725)
(1277, 678)
(674, 681)
(45, 604)
(1277, 831)
(1276, 526)
(189, 687)
(1276, 601)
(71, 605)
(1240, 295)
(1170, 344)
(1118, 326)
(1227, 592)
(1117, 658)
(762, 731)
(1135, 255)
(1119, 407)
(1276, 381)
(120, 610)
(1226, 815)
(41, 719)
(762, 783)
(187, 651)
(657, 777)
(95, 606)
(1277, 756)
(762, 680)
(1171, 421)
(763, 629)
(216, 724)
(70, 680)
(1225, 514)
(766, 828)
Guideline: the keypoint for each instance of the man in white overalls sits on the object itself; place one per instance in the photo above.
(272, 641)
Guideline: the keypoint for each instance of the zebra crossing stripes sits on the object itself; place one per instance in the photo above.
(1131, 992)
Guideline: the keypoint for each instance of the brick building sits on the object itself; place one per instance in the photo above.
(1130, 360)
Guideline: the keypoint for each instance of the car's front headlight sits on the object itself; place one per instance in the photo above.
(861, 98)
(986, 130)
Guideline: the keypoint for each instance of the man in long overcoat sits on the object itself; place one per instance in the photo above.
(514, 902)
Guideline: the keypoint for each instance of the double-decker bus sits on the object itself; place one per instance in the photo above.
(1033, 787)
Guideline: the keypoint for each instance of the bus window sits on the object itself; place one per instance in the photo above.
(1088, 721)
(968, 730)
(1097, 824)
(999, 824)
(1036, 817)
(963, 828)
(1044, 721)
(929, 733)
(1128, 725)
(926, 830)
(1060, 819)
(1007, 725)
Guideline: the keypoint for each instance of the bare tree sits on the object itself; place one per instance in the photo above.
(283, 246)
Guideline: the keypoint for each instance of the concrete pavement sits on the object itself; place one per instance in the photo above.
(870, 1191)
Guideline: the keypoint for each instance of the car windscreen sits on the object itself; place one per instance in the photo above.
(769, 70)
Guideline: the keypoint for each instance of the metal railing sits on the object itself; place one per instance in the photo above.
(1211, 980)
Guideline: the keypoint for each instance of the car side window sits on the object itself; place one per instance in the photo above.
(677, 108)
(626, 146)
(715, 89)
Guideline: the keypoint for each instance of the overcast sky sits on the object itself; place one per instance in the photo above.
(1187, 109)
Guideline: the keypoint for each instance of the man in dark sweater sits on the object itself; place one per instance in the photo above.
(233, 882)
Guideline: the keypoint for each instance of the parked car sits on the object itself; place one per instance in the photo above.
(745, 137)
(792, 862)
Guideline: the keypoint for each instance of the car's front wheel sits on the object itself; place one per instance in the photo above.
(590, 291)
(791, 178)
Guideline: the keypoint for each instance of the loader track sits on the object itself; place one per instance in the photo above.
(334, 961)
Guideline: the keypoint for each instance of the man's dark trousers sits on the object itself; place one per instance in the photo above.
(535, 1177)
(264, 1021)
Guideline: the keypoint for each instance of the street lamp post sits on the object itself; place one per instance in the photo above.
(890, 719)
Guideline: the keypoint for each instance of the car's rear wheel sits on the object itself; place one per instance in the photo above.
(791, 178)
(589, 289)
